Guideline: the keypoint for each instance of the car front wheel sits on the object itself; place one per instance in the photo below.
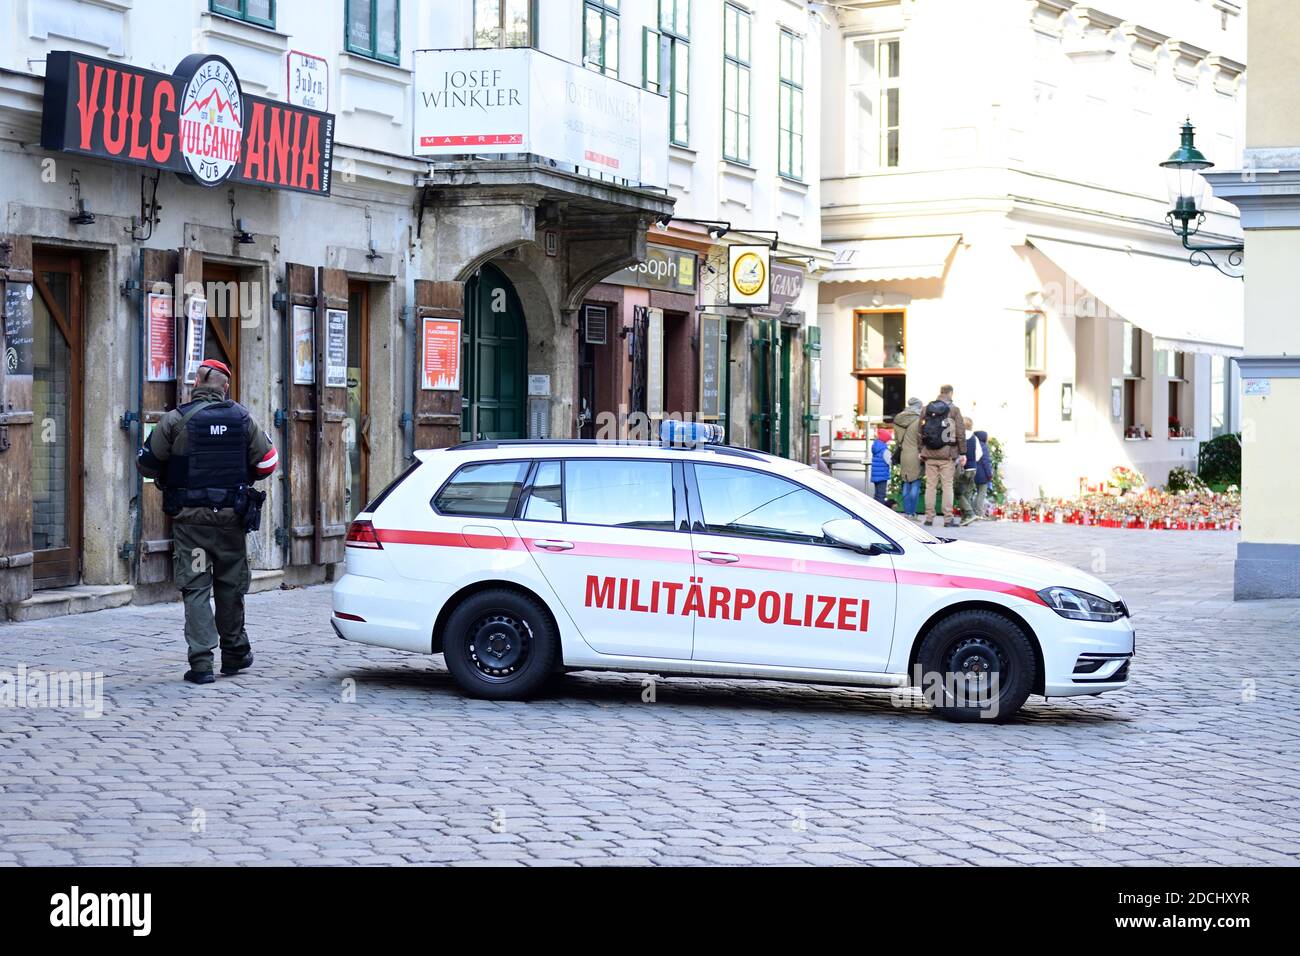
(977, 665)
(500, 645)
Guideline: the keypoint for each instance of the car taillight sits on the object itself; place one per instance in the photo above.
(361, 534)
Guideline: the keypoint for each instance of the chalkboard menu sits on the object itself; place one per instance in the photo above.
(20, 332)
(710, 366)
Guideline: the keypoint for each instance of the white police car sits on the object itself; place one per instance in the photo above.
(518, 559)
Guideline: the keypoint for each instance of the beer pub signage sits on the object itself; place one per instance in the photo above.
(196, 122)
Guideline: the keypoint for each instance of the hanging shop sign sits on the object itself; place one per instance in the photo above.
(749, 279)
(787, 286)
(336, 348)
(710, 367)
(161, 336)
(526, 101)
(196, 122)
(440, 348)
(672, 270)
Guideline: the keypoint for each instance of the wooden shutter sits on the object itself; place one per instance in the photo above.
(437, 411)
(300, 429)
(16, 422)
(153, 562)
(331, 410)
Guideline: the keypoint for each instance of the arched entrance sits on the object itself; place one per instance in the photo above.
(494, 349)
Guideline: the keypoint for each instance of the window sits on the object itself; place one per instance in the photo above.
(544, 501)
(1220, 396)
(503, 23)
(261, 12)
(488, 490)
(1035, 366)
(619, 494)
(790, 120)
(1181, 410)
(374, 28)
(600, 36)
(666, 65)
(1132, 351)
(880, 362)
(1035, 342)
(874, 92)
(751, 504)
(737, 25)
(1137, 396)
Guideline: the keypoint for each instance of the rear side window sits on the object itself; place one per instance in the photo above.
(392, 486)
(486, 490)
(619, 494)
(543, 502)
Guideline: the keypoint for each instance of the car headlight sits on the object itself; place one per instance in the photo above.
(1080, 605)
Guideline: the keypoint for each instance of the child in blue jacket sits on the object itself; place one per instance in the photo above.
(880, 463)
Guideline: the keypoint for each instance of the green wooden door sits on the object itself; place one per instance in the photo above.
(494, 348)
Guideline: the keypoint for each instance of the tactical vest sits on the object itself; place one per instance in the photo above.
(215, 463)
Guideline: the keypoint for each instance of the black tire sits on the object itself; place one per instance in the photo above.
(500, 645)
(969, 644)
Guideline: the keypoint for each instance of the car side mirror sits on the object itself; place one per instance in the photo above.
(847, 533)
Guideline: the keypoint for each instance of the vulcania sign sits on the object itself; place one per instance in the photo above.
(196, 122)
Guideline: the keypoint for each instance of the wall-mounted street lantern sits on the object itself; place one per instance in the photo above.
(1187, 191)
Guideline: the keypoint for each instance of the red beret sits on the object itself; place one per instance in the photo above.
(219, 366)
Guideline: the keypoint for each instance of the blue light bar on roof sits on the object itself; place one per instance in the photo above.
(690, 434)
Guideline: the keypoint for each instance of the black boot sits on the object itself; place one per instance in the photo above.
(235, 666)
(200, 677)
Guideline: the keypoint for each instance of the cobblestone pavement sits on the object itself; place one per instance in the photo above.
(1197, 763)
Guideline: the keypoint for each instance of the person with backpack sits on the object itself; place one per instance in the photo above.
(943, 447)
(880, 461)
(907, 454)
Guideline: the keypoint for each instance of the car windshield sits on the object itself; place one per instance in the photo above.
(865, 507)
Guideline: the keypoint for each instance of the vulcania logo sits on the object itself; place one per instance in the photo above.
(211, 118)
(728, 604)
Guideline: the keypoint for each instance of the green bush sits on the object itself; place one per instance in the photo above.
(1220, 460)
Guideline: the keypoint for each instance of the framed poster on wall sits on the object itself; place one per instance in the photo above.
(336, 348)
(440, 355)
(196, 321)
(710, 367)
(161, 339)
(304, 345)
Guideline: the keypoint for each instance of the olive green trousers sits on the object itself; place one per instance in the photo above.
(211, 567)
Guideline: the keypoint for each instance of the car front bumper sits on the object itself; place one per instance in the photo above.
(1082, 657)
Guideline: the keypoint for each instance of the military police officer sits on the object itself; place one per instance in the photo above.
(205, 456)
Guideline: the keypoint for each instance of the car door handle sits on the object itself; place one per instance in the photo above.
(718, 557)
(548, 545)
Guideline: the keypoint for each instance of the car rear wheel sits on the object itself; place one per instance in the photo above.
(500, 645)
(977, 665)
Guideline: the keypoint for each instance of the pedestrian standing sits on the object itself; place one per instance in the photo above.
(880, 461)
(205, 456)
(907, 454)
(983, 474)
(966, 478)
(943, 446)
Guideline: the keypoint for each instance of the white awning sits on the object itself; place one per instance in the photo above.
(878, 260)
(1184, 307)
